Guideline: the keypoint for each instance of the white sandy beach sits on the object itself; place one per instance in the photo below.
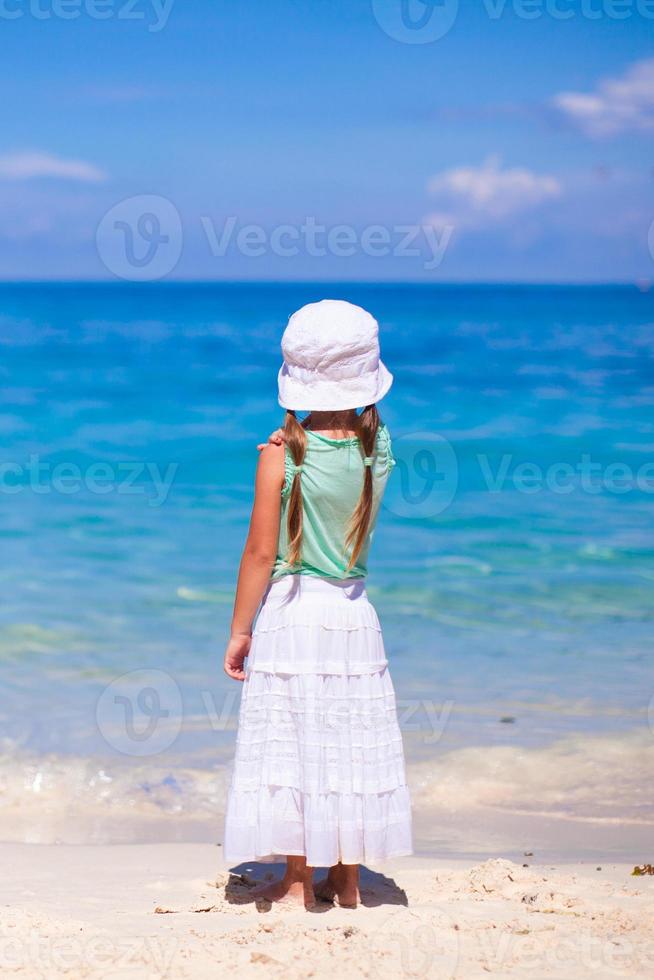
(171, 910)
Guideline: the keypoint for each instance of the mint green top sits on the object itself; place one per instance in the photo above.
(332, 479)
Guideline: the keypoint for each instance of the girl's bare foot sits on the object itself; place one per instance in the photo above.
(341, 886)
(295, 888)
(288, 892)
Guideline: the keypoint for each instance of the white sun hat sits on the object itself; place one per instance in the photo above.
(331, 359)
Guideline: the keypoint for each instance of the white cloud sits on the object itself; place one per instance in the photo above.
(617, 105)
(477, 196)
(27, 166)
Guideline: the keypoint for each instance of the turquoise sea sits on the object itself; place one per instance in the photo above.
(512, 568)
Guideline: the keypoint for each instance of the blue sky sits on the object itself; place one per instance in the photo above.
(516, 147)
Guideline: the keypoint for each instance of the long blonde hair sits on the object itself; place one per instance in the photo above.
(368, 423)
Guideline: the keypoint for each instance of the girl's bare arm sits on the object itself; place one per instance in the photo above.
(258, 556)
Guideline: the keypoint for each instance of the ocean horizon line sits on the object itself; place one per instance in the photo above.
(641, 285)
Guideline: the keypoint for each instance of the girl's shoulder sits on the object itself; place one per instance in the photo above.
(384, 446)
(383, 435)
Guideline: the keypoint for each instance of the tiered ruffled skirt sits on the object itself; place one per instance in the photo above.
(319, 768)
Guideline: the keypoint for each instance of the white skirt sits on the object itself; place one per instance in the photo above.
(319, 768)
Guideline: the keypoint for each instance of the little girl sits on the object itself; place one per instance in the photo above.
(319, 770)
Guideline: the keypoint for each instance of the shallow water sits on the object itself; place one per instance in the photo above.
(512, 567)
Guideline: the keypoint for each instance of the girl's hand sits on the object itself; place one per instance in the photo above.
(237, 650)
(275, 438)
